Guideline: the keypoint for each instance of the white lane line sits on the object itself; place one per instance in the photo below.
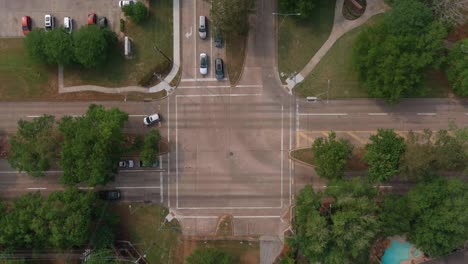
(426, 114)
(177, 155)
(377, 114)
(235, 216)
(200, 86)
(466, 113)
(138, 187)
(199, 80)
(229, 207)
(323, 114)
(214, 95)
(249, 86)
(195, 39)
(37, 188)
(168, 156)
(32, 116)
(281, 153)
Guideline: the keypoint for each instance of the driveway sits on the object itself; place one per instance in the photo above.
(12, 11)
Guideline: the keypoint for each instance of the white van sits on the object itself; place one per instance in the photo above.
(202, 29)
(68, 24)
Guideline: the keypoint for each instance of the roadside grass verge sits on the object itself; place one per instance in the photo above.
(337, 67)
(235, 56)
(141, 224)
(300, 39)
(118, 71)
(20, 76)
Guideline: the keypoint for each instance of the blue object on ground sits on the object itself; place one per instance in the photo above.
(397, 252)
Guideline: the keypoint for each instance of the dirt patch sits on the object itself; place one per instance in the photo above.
(224, 227)
(459, 33)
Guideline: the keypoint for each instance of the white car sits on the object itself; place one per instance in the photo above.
(68, 24)
(203, 63)
(151, 119)
(49, 22)
(126, 3)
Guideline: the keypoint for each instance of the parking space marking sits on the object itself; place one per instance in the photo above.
(377, 114)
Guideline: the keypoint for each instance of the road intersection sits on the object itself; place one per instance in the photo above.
(229, 146)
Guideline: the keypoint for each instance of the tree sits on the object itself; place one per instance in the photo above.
(439, 215)
(150, 151)
(337, 226)
(330, 156)
(35, 145)
(92, 45)
(34, 44)
(392, 57)
(394, 215)
(58, 47)
(137, 12)
(305, 7)
(451, 151)
(93, 145)
(230, 17)
(383, 154)
(209, 256)
(419, 158)
(457, 72)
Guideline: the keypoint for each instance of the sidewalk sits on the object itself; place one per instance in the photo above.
(163, 85)
(340, 27)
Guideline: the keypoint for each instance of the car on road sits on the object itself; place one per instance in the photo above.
(203, 63)
(151, 119)
(68, 24)
(126, 164)
(219, 69)
(202, 27)
(102, 22)
(49, 22)
(92, 18)
(110, 195)
(126, 3)
(26, 24)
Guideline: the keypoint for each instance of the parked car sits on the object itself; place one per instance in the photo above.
(126, 164)
(218, 40)
(219, 69)
(68, 24)
(102, 22)
(202, 27)
(154, 165)
(110, 195)
(203, 63)
(126, 3)
(26, 24)
(151, 119)
(92, 18)
(49, 22)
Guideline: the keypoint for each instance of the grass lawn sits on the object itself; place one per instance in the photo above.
(244, 253)
(337, 67)
(235, 55)
(118, 71)
(299, 40)
(141, 225)
(20, 77)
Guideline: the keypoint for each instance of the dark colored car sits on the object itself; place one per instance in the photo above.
(102, 22)
(92, 18)
(26, 24)
(154, 165)
(110, 195)
(219, 69)
(218, 40)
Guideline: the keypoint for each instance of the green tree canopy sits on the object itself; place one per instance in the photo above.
(392, 57)
(92, 45)
(383, 155)
(34, 44)
(93, 145)
(230, 17)
(457, 72)
(209, 256)
(439, 215)
(35, 145)
(58, 46)
(395, 217)
(339, 225)
(137, 12)
(330, 156)
(150, 151)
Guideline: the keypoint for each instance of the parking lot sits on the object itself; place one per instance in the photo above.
(11, 12)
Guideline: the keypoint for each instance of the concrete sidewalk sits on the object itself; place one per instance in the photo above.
(163, 85)
(340, 27)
